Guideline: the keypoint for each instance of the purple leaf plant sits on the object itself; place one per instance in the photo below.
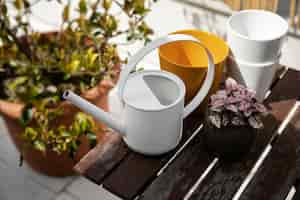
(235, 106)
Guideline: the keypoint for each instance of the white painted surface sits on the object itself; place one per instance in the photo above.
(257, 77)
(256, 36)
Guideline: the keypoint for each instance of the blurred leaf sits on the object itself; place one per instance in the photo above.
(17, 81)
(39, 145)
(27, 115)
(30, 134)
(106, 4)
(82, 7)
(41, 66)
(3, 9)
(66, 13)
(19, 4)
(92, 137)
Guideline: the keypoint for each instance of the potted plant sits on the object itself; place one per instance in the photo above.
(233, 117)
(35, 69)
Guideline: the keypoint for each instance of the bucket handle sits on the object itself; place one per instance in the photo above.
(134, 60)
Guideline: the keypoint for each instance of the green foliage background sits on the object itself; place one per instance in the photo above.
(36, 68)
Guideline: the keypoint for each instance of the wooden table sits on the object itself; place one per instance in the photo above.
(270, 171)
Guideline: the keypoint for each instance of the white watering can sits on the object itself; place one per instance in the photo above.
(153, 102)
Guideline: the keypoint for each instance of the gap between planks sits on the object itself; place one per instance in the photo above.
(214, 161)
(195, 133)
(180, 150)
(291, 194)
(263, 155)
(211, 166)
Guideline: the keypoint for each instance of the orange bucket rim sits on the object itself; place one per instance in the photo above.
(216, 62)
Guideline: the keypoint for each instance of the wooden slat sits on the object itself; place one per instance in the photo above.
(103, 158)
(279, 172)
(229, 176)
(137, 171)
(107, 156)
(287, 88)
(128, 189)
(184, 172)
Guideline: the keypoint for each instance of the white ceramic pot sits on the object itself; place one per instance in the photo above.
(257, 77)
(256, 36)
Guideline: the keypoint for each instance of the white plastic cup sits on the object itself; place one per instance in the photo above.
(258, 77)
(256, 36)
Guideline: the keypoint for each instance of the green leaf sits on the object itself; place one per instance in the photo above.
(39, 145)
(82, 7)
(65, 134)
(18, 81)
(67, 76)
(66, 13)
(92, 137)
(30, 134)
(106, 4)
(27, 115)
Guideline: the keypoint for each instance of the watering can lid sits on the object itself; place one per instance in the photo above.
(140, 94)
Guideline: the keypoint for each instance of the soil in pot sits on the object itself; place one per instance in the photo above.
(229, 143)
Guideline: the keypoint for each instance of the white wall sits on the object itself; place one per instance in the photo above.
(212, 22)
(168, 16)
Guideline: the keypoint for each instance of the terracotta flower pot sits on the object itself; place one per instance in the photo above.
(51, 163)
(229, 143)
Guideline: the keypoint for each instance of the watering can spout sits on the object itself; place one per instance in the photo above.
(95, 111)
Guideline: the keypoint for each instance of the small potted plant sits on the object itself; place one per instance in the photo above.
(35, 69)
(233, 117)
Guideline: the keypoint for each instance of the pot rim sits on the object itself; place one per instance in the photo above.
(14, 109)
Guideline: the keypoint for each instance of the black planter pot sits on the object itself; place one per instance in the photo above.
(229, 143)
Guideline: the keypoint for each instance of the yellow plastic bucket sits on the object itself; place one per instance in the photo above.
(189, 61)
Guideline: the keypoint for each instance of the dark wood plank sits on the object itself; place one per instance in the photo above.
(119, 185)
(106, 156)
(137, 171)
(229, 176)
(279, 172)
(103, 158)
(183, 173)
(287, 88)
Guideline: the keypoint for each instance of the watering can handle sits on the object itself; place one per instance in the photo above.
(134, 60)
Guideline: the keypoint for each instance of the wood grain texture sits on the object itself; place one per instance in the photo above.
(184, 172)
(281, 168)
(287, 88)
(128, 174)
(228, 178)
(103, 158)
(136, 171)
